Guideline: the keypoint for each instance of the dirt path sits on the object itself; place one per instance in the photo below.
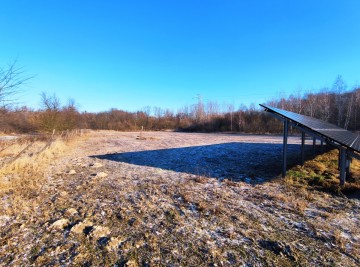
(163, 201)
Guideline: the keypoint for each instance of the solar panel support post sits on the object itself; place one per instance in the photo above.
(322, 146)
(342, 163)
(286, 131)
(302, 148)
(314, 147)
(348, 162)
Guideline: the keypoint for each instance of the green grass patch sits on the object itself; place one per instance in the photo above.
(322, 174)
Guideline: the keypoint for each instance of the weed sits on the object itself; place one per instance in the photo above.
(322, 174)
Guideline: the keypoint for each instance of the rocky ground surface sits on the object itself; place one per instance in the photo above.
(179, 199)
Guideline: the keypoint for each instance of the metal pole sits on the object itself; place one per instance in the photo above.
(285, 148)
(302, 148)
(348, 162)
(314, 147)
(322, 146)
(342, 164)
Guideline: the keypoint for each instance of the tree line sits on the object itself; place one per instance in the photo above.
(337, 105)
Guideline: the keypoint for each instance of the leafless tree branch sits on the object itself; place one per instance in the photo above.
(11, 80)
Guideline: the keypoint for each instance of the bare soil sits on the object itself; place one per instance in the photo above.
(179, 199)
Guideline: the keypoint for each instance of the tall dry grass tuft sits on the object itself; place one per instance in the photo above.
(23, 168)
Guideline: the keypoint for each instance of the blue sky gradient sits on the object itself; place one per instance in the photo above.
(131, 54)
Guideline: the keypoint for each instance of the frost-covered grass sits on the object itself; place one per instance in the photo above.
(103, 205)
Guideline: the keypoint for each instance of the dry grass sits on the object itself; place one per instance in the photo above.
(322, 174)
(24, 165)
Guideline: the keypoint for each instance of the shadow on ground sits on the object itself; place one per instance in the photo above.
(249, 162)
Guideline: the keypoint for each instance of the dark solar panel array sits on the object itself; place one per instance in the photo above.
(328, 130)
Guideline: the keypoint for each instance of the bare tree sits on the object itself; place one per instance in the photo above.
(296, 102)
(50, 103)
(11, 80)
(324, 105)
(70, 115)
(231, 111)
(339, 88)
(212, 109)
(50, 117)
(241, 117)
(199, 109)
(310, 103)
(71, 104)
(357, 100)
(349, 110)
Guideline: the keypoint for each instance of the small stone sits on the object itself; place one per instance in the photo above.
(63, 194)
(113, 244)
(4, 219)
(97, 165)
(100, 231)
(71, 212)
(131, 263)
(60, 224)
(102, 175)
(72, 172)
(139, 243)
(80, 227)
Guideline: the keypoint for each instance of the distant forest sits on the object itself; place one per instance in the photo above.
(336, 105)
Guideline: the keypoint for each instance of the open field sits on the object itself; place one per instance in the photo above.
(171, 199)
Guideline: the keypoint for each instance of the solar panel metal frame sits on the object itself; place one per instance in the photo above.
(330, 132)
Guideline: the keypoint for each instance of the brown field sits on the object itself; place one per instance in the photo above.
(172, 199)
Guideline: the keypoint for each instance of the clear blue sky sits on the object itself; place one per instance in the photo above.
(131, 54)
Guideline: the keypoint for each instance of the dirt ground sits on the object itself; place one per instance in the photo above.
(179, 199)
(251, 158)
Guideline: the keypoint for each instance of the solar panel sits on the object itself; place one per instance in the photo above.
(325, 129)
